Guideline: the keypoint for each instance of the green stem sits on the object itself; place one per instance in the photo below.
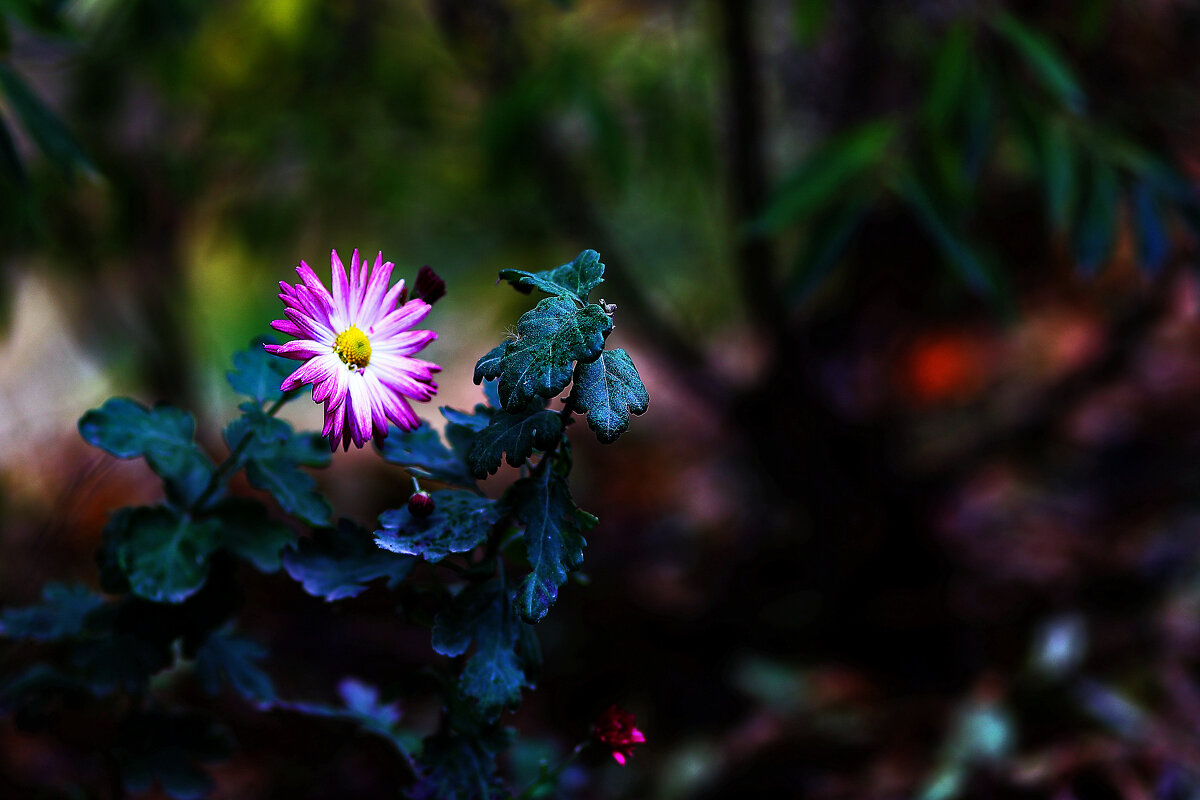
(550, 777)
(230, 463)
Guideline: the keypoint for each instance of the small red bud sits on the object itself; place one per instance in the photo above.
(615, 729)
(430, 287)
(420, 504)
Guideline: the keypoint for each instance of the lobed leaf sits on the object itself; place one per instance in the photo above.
(489, 365)
(339, 563)
(163, 553)
(259, 374)
(247, 531)
(422, 452)
(162, 435)
(494, 674)
(554, 540)
(608, 390)
(459, 766)
(459, 523)
(574, 279)
(550, 338)
(515, 434)
(60, 615)
(168, 749)
(224, 658)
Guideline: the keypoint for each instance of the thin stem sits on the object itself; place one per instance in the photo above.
(551, 776)
(230, 463)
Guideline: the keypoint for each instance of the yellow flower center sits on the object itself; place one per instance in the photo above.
(353, 347)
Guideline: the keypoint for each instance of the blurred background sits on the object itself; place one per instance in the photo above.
(915, 511)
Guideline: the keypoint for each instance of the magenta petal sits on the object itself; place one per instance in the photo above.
(341, 290)
(298, 349)
(314, 370)
(359, 409)
(286, 326)
(402, 318)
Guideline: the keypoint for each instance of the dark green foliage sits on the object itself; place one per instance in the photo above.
(60, 615)
(226, 658)
(338, 563)
(550, 338)
(574, 279)
(494, 674)
(246, 530)
(459, 523)
(162, 435)
(461, 766)
(516, 434)
(168, 749)
(1043, 60)
(161, 552)
(554, 540)
(42, 124)
(272, 454)
(363, 706)
(1098, 225)
(608, 390)
(488, 367)
(117, 659)
(258, 374)
(423, 453)
(1153, 241)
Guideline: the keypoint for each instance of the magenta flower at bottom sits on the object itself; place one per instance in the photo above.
(615, 730)
(357, 349)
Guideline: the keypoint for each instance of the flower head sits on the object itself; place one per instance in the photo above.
(615, 730)
(357, 349)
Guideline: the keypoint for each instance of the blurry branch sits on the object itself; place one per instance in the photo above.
(745, 129)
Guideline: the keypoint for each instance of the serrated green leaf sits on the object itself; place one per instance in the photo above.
(60, 615)
(249, 532)
(489, 365)
(574, 279)
(493, 676)
(163, 435)
(515, 434)
(459, 523)
(550, 338)
(43, 125)
(336, 564)
(422, 452)
(257, 373)
(163, 554)
(294, 490)
(269, 432)
(226, 658)
(554, 540)
(608, 390)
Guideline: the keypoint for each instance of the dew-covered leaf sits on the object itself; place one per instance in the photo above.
(515, 434)
(550, 338)
(554, 540)
(339, 563)
(226, 658)
(608, 390)
(60, 615)
(574, 279)
(163, 553)
(459, 523)
(163, 435)
(259, 374)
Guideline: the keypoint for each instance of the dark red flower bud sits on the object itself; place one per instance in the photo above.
(430, 287)
(616, 731)
(420, 504)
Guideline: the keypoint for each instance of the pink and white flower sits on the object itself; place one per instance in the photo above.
(357, 348)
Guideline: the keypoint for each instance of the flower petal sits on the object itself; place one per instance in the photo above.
(298, 349)
(358, 410)
(341, 290)
(313, 370)
(401, 319)
(405, 344)
(371, 310)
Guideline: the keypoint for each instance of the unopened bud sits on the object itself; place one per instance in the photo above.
(430, 287)
(420, 504)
